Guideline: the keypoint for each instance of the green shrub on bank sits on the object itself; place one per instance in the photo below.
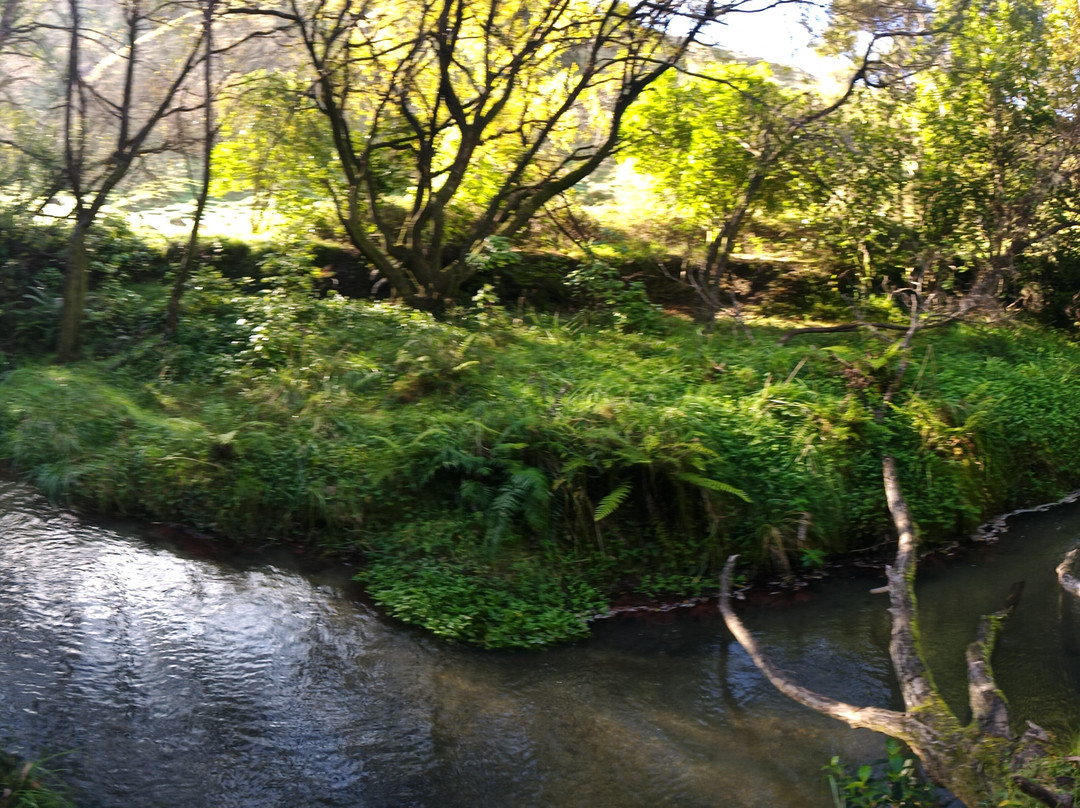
(434, 574)
(503, 477)
(32, 262)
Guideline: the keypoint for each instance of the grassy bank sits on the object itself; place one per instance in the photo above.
(502, 477)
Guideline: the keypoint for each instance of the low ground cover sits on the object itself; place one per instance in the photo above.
(502, 476)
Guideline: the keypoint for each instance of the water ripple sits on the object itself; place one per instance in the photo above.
(184, 683)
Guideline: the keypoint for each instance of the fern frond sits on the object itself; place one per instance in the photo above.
(712, 485)
(527, 494)
(609, 504)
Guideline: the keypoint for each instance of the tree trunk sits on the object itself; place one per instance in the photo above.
(183, 272)
(7, 19)
(75, 282)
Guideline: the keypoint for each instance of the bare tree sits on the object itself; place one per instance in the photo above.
(190, 256)
(8, 17)
(455, 120)
(976, 761)
(120, 101)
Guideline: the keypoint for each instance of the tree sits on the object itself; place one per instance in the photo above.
(977, 761)
(8, 21)
(172, 316)
(733, 139)
(1001, 131)
(723, 142)
(110, 113)
(20, 37)
(454, 120)
(965, 168)
(106, 77)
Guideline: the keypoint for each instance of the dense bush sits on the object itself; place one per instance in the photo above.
(32, 262)
(1048, 286)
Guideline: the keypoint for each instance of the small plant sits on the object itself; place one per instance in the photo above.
(486, 309)
(28, 784)
(812, 557)
(611, 300)
(493, 254)
(897, 785)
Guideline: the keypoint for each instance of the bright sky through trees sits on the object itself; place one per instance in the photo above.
(782, 35)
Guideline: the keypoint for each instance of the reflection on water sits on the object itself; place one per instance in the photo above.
(183, 682)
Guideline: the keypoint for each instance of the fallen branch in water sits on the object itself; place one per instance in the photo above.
(1069, 582)
(976, 762)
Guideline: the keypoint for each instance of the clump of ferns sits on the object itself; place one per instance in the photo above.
(672, 502)
(512, 495)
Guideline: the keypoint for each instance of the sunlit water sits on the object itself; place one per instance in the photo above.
(179, 682)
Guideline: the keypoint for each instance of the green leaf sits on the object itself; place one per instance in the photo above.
(611, 502)
(712, 485)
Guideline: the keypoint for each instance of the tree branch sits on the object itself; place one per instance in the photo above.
(1043, 794)
(988, 707)
(915, 683)
(875, 718)
(1068, 581)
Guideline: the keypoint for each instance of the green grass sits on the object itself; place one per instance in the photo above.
(29, 784)
(465, 461)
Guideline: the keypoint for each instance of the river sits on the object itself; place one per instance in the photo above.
(176, 681)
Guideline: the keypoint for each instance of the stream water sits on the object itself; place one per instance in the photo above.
(180, 682)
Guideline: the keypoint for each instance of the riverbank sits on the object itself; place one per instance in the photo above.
(502, 478)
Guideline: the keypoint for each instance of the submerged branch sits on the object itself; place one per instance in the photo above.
(911, 672)
(989, 710)
(875, 718)
(1069, 582)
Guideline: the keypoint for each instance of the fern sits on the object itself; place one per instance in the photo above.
(526, 493)
(609, 504)
(712, 485)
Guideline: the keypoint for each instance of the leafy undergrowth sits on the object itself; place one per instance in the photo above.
(894, 782)
(502, 477)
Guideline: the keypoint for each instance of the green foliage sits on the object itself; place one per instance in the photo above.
(273, 144)
(32, 261)
(550, 461)
(1047, 286)
(427, 575)
(1058, 771)
(894, 783)
(703, 137)
(493, 254)
(611, 502)
(29, 784)
(963, 170)
(609, 299)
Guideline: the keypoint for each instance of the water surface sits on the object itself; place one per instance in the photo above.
(183, 682)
